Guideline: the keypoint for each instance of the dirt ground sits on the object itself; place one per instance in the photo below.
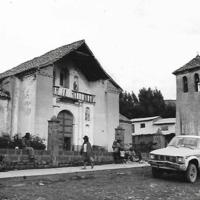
(129, 184)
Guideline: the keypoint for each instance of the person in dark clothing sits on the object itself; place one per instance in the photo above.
(87, 153)
(116, 151)
(26, 142)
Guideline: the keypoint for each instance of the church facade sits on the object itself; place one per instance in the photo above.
(67, 83)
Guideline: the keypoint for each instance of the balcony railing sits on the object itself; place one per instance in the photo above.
(72, 94)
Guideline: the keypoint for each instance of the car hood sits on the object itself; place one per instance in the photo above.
(174, 151)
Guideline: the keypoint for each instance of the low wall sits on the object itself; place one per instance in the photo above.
(20, 159)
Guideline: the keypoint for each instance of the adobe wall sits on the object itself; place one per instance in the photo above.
(44, 101)
(100, 121)
(171, 128)
(149, 127)
(106, 113)
(187, 106)
(21, 107)
(112, 112)
(4, 103)
(6, 85)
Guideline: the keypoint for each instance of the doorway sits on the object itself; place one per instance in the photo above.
(66, 129)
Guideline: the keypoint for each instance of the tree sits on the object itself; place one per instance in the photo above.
(127, 102)
(170, 111)
(149, 103)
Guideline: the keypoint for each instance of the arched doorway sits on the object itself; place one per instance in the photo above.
(66, 128)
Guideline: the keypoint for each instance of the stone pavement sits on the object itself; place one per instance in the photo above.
(64, 170)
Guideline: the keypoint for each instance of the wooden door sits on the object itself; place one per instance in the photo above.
(66, 128)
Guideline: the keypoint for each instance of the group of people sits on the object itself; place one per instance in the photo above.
(119, 154)
(122, 155)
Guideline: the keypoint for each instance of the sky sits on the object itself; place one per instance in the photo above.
(139, 43)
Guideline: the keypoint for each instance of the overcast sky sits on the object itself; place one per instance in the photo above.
(138, 42)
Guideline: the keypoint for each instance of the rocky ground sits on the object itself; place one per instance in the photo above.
(129, 184)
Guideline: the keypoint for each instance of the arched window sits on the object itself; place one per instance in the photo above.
(64, 78)
(75, 84)
(196, 82)
(185, 84)
(87, 114)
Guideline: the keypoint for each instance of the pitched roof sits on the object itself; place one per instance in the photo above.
(123, 118)
(57, 54)
(44, 60)
(192, 64)
(165, 121)
(153, 133)
(145, 119)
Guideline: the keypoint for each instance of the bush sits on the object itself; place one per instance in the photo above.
(145, 147)
(99, 148)
(35, 142)
(5, 142)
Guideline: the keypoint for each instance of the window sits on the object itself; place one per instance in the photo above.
(87, 114)
(64, 78)
(142, 125)
(133, 128)
(75, 85)
(164, 128)
(196, 82)
(185, 84)
(61, 79)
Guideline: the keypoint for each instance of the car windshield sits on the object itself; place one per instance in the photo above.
(189, 142)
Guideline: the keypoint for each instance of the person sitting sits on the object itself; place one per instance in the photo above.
(26, 142)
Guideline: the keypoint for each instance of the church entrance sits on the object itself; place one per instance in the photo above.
(66, 128)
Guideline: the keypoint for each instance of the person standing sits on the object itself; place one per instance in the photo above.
(116, 151)
(87, 153)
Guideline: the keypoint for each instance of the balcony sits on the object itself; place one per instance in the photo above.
(71, 94)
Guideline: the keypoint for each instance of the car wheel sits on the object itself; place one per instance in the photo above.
(156, 172)
(191, 173)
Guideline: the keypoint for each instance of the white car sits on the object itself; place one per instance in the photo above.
(181, 154)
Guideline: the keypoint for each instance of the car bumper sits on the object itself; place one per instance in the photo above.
(167, 165)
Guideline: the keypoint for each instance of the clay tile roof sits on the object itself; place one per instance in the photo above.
(194, 63)
(44, 60)
(4, 94)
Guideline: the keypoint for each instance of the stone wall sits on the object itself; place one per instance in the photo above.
(19, 159)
